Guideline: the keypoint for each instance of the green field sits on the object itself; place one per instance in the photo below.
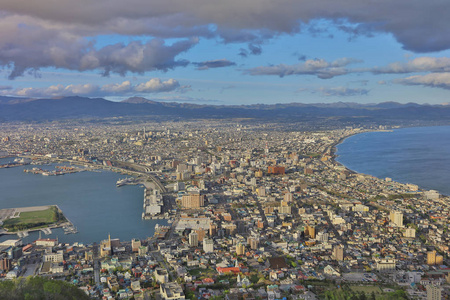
(34, 219)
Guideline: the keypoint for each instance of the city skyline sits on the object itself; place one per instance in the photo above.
(227, 53)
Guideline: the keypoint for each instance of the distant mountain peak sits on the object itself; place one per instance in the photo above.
(138, 100)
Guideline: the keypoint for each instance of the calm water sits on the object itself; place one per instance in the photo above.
(90, 200)
(418, 155)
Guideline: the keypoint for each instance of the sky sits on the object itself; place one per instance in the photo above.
(227, 52)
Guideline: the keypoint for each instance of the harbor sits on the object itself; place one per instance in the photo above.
(83, 207)
(59, 170)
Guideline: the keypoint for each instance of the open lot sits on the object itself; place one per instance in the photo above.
(28, 218)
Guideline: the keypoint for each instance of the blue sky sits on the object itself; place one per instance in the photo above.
(239, 52)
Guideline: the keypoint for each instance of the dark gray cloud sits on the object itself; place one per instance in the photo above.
(421, 26)
(342, 91)
(59, 34)
(316, 67)
(218, 63)
(31, 46)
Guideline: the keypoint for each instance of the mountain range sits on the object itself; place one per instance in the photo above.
(74, 107)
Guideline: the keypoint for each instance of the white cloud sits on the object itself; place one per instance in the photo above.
(438, 80)
(117, 87)
(155, 85)
(420, 64)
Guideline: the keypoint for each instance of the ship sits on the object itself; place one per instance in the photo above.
(125, 181)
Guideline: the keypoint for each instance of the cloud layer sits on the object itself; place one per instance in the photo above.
(317, 67)
(339, 91)
(154, 85)
(61, 34)
(438, 80)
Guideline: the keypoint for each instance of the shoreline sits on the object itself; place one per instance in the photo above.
(334, 156)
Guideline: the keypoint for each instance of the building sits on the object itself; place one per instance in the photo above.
(171, 290)
(46, 242)
(193, 239)
(105, 247)
(143, 250)
(432, 195)
(288, 197)
(396, 218)
(284, 208)
(385, 264)
(253, 242)
(208, 245)
(338, 253)
(54, 257)
(276, 170)
(433, 259)
(434, 292)
(89, 255)
(310, 231)
(161, 275)
(322, 237)
(212, 229)
(193, 201)
(410, 233)
(135, 244)
(5, 264)
(240, 249)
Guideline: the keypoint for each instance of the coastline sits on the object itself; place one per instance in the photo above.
(334, 157)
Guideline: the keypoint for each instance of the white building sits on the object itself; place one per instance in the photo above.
(434, 292)
(385, 264)
(208, 245)
(396, 217)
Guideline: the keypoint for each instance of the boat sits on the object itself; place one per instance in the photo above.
(125, 181)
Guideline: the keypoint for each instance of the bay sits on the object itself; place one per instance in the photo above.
(419, 155)
(90, 200)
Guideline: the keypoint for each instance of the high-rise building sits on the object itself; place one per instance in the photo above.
(212, 229)
(5, 264)
(338, 252)
(253, 242)
(193, 239)
(431, 258)
(208, 245)
(288, 197)
(434, 292)
(284, 208)
(240, 249)
(396, 218)
(135, 244)
(311, 231)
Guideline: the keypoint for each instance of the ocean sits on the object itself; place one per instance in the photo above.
(419, 155)
(90, 200)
